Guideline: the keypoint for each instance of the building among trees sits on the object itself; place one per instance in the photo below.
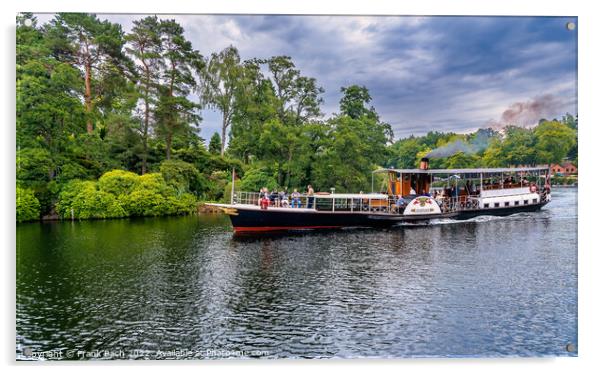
(565, 168)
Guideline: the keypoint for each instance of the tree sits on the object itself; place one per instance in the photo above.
(572, 122)
(347, 161)
(176, 114)
(277, 143)
(94, 47)
(256, 179)
(306, 100)
(298, 97)
(404, 153)
(354, 101)
(144, 44)
(28, 206)
(283, 76)
(461, 160)
(215, 144)
(31, 43)
(48, 104)
(255, 104)
(183, 177)
(554, 140)
(518, 147)
(221, 76)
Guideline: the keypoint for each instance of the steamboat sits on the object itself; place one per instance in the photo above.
(406, 196)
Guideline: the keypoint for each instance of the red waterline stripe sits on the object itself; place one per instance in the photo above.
(278, 228)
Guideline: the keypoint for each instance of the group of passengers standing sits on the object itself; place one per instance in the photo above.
(281, 199)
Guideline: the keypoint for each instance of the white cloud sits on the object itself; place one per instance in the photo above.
(424, 73)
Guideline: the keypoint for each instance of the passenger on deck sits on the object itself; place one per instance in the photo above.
(469, 189)
(296, 196)
(412, 191)
(310, 196)
(283, 199)
(262, 194)
(399, 204)
(274, 198)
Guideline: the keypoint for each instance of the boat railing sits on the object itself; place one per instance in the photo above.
(252, 198)
(458, 203)
(367, 204)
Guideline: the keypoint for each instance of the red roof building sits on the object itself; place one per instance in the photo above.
(566, 168)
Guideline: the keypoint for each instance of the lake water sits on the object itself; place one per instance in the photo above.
(186, 287)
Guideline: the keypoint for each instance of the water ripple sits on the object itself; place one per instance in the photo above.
(488, 286)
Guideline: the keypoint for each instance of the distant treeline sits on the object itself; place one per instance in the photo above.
(98, 110)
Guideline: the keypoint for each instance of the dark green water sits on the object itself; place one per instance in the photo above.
(185, 287)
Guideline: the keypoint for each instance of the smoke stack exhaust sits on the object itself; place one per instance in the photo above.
(424, 163)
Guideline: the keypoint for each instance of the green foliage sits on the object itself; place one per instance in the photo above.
(404, 153)
(118, 182)
(221, 78)
(215, 144)
(34, 166)
(176, 115)
(83, 200)
(549, 142)
(120, 193)
(183, 177)
(461, 160)
(94, 48)
(256, 103)
(95, 104)
(228, 190)
(354, 101)
(144, 44)
(255, 179)
(357, 145)
(554, 140)
(28, 206)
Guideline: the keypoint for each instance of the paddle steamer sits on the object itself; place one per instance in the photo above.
(407, 195)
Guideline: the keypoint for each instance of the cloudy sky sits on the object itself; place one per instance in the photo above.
(424, 73)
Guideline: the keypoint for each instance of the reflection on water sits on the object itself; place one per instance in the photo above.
(484, 287)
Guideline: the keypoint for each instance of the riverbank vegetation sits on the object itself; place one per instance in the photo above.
(107, 125)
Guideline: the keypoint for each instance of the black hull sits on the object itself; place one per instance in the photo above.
(272, 220)
(254, 220)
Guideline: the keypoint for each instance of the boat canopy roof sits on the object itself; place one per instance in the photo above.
(464, 171)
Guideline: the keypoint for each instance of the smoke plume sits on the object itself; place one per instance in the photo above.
(528, 113)
(522, 114)
(479, 142)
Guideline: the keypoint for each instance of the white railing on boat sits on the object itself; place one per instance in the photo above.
(367, 203)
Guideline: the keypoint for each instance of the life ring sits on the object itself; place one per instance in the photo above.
(533, 188)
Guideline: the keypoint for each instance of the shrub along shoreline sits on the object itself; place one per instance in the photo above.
(116, 194)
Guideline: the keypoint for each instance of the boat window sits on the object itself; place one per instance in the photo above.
(486, 205)
(516, 202)
(507, 203)
(323, 204)
(497, 205)
(534, 201)
(342, 204)
(526, 202)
